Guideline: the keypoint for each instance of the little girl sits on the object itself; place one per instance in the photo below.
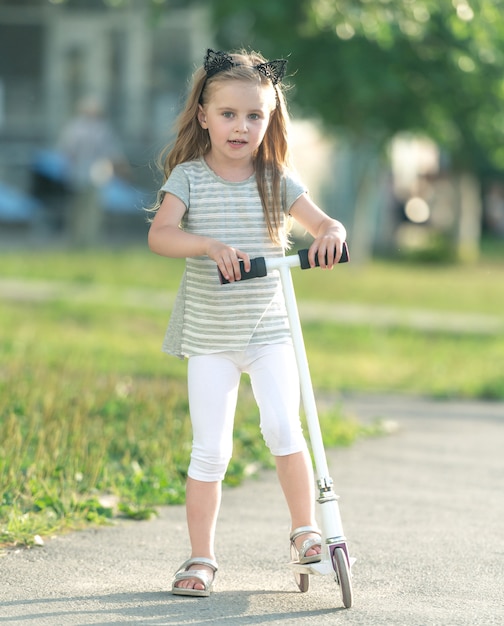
(227, 197)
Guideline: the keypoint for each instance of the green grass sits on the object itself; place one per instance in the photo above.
(93, 417)
(401, 360)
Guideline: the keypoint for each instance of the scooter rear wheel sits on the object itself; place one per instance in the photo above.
(302, 580)
(343, 575)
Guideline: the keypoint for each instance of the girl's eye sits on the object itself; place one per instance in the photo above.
(228, 114)
(254, 116)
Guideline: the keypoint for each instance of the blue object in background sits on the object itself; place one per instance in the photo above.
(51, 164)
(16, 206)
(117, 196)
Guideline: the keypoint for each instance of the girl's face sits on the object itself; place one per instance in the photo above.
(236, 116)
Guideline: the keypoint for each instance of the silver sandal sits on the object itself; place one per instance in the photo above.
(202, 576)
(299, 555)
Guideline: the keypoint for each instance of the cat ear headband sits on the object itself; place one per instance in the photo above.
(216, 62)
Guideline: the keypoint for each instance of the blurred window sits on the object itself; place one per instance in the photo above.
(21, 71)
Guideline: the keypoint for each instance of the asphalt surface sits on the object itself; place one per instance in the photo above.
(423, 511)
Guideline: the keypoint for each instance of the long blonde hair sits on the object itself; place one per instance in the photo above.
(272, 156)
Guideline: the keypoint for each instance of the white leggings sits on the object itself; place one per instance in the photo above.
(213, 382)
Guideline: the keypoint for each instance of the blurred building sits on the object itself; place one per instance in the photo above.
(135, 56)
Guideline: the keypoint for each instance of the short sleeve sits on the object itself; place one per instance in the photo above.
(294, 188)
(177, 184)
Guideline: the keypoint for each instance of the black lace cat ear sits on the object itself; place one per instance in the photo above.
(216, 62)
(274, 70)
(219, 61)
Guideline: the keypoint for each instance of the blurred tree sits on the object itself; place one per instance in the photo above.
(377, 67)
(372, 68)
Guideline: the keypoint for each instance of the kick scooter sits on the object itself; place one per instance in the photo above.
(335, 556)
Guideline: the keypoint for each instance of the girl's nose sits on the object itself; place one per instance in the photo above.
(241, 125)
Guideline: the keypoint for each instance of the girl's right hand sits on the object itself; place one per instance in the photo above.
(228, 259)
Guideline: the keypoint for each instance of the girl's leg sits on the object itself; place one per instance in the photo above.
(202, 508)
(213, 387)
(295, 475)
(275, 382)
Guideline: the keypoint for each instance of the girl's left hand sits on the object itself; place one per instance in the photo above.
(329, 234)
(328, 248)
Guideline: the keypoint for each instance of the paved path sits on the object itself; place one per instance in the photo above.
(423, 510)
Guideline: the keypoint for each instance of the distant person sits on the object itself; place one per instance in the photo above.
(227, 196)
(92, 152)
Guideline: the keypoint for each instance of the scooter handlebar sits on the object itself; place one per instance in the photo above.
(259, 265)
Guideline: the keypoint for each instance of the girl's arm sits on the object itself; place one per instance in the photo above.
(329, 234)
(168, 239)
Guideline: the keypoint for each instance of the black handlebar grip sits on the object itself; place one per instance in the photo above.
(257, 270)
(305, 265)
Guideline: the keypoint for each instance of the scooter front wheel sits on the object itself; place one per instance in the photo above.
(343, 576)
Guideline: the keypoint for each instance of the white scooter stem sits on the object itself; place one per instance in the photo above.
(331, 519)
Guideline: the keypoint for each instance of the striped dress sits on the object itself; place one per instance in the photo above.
(208, 317)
